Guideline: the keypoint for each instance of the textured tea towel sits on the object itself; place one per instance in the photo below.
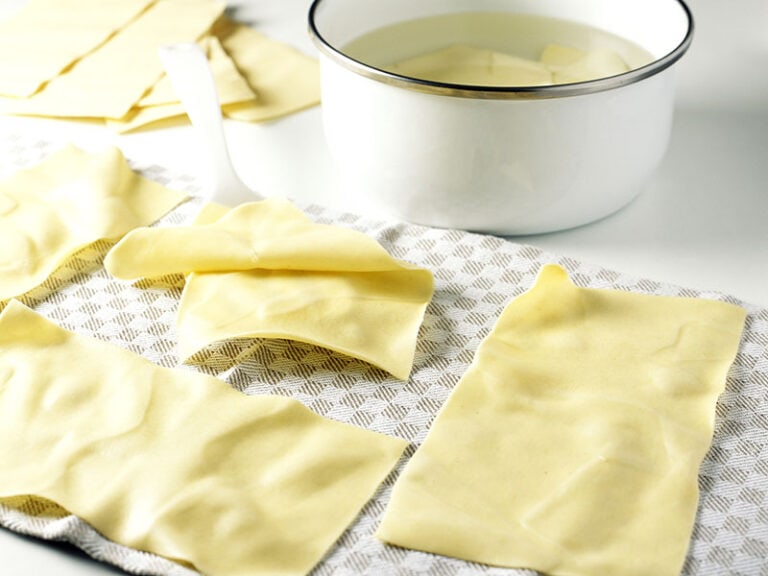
(475, 278)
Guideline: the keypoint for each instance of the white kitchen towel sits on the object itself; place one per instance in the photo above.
(475, 277)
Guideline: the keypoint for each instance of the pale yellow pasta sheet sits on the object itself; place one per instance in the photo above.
(285, 79)
(258, 79)
(109, 81)
(66, 202)
(572, 444)
(46, 36)
(161, 103)
(265, 270)
(174, 462)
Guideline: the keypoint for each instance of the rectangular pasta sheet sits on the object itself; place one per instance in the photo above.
(177, 463)
(47, 36)
(572, 445)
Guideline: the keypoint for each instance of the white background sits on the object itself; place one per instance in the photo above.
(702, 222)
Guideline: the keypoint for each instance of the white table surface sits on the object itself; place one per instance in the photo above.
(702, 222)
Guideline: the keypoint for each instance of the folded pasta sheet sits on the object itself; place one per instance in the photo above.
(70, 200)
(174, 462)
(573, 442)
(266, 270)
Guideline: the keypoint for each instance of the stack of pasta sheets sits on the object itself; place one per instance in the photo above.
(97, 60)
(476, 277)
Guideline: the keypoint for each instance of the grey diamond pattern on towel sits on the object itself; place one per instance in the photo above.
(476, 276)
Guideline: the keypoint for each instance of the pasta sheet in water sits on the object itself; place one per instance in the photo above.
(174, 462)
(572, 445)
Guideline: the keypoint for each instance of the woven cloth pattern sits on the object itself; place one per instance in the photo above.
(476, 276)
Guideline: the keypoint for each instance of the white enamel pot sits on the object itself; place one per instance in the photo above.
(504, 160)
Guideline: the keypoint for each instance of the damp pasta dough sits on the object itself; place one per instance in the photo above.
(257, 79)
(160, 103)
(285, 79)
(90, 88)
(572, 444)
(265, 270)
(174, 462)
(68, 201)
(46, 36)
(57, 59)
